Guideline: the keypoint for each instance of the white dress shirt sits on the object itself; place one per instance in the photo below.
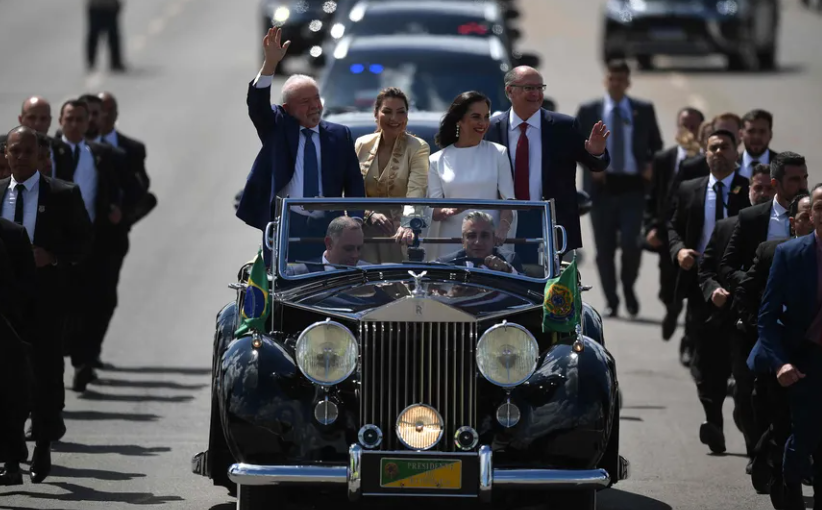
(779, 227)
(746, 168)
(534, 134)
(31, 198)
(86, 177)
(681, 154)
(294, 189)
(710, 209)
(627, 130)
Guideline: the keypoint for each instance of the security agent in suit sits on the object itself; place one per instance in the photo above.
(697, 206)
(344, 240)
(664, 168)
(97, 172)
(478, 247)
(103, 17)
(731, 354)
(618, 194)
(36, 114)
(697, 166)
(545, 148)
(790, 346)
(58, 226)
(756, 133)
(769, 399)
(302, 156)
(17, 316)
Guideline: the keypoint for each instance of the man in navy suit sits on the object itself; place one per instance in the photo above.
(544, 148)
(790, 346)
(301, 157)
(478, 248)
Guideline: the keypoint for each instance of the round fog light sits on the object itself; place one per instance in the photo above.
(466, 438)
(326, 412)
(370, 436)
(508, 415)
(419, 427)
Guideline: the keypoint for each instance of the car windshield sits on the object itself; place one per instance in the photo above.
(316, 236)
(433, 23)
(431, 80)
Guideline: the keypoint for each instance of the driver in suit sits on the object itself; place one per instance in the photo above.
(344, 240)
(478, 248)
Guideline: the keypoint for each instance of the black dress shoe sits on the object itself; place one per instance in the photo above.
(711, 435)
(40, 462)
(631, 303)
(760, 473)
(686, 354)
(11, 475)
(612, 311)
(82, 377)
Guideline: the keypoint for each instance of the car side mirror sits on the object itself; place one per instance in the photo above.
(549, 104)
(511, 13)
(584, 202)
(527, 59)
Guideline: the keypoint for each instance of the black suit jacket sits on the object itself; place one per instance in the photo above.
(563, 146)
(657, 202)
(749, 292)
(749, 233)
(138, 200)
(458, 258)
(692, 168)
(107, 163)
(61, 154)
(688, 217)
(709, 277)
(20, 257)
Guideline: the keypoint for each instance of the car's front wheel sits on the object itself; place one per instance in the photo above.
(573, 500)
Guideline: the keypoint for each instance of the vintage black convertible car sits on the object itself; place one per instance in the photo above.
(426, 376)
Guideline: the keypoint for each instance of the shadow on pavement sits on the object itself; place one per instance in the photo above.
(119, 383)
(93, 395)
(630, 418)
(615, 499)
(645, 407)
(98, 415)
(95, 474)
(80, 493)
(128, 450)
(224, 506)
(162, 370)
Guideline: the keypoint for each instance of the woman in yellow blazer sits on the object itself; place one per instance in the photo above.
(394, 164)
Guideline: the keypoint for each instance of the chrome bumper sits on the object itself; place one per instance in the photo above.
(490, 477)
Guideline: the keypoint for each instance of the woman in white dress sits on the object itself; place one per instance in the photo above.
(467, 167)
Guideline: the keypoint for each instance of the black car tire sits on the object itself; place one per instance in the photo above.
(767, 58)
(257, 498)
(610, 458)
(736, 62)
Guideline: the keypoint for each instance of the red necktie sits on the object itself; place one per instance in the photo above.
(521, 179)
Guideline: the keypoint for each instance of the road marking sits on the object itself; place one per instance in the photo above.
(679, 81)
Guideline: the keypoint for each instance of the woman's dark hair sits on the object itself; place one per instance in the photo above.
(387, 93)
(447, 134)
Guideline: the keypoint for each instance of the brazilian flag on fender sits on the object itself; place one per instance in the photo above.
(257, 302)
(562, 307)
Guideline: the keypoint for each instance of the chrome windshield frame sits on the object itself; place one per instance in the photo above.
(551, 258)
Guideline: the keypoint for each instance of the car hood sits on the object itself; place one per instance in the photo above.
(400, 301)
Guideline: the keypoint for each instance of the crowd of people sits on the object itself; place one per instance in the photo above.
(69, 202)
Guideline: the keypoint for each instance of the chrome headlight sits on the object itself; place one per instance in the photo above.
(507, 355)
(327, 353)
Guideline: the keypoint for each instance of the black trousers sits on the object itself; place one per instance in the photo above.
(100, 277)
(616, 218)
(711, 363)
(772, 413)
(667, 281)
(103, 20)
(744, 414)
(16, 381)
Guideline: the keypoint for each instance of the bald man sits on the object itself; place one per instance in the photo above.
(301, 155)
(54, 216)
(35, 113)
(544, 148)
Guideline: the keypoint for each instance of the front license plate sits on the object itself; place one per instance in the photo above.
(421, 473)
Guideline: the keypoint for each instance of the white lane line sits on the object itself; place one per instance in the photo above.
(679, 81)
(698, 102)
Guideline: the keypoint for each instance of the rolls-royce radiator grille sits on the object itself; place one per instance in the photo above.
(405, 363)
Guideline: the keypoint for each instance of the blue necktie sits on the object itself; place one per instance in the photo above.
(311, 170)
(617, 141)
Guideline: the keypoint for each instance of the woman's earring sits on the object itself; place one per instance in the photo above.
(458, 130)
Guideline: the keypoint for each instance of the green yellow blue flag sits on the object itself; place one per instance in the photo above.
(563, 304)
(257, 302)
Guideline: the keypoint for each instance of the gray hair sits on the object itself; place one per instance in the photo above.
(294, 82)
(476, 216)
(339, 225)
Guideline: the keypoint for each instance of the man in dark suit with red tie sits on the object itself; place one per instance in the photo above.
(302, 156)
(698, 205)
(790, 346)
(544, 148)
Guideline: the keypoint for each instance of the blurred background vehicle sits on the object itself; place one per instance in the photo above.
(744, 31)
(303, 22)
(420, 124)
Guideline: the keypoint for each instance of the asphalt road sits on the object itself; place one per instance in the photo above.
(131, 436)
